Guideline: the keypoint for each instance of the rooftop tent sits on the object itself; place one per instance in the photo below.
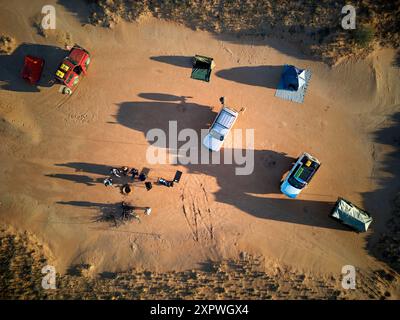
(351, 215)
(293, 78)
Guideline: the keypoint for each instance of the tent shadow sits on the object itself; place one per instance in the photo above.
(178, 61)
(11, 66)
(163, 97)
(262, 76)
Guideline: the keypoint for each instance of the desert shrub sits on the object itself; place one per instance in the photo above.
(364, 35)
(7, 44)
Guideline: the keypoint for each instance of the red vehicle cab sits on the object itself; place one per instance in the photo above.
(33, 67)
(72, 68)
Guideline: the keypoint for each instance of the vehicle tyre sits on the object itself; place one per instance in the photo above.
(212, 65)
(67, 90)
(87, 63)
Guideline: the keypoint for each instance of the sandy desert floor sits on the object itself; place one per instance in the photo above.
(55, 150)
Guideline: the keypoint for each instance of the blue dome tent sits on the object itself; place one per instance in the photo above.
(293, 78)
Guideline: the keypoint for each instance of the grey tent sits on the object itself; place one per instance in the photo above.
(350, 215)
(293, 78)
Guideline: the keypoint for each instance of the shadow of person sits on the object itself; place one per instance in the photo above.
(262, 76)
(94, 168)
(12, 65)
(75, 178)
(179, 61)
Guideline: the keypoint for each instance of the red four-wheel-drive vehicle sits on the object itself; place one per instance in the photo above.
(72, 68)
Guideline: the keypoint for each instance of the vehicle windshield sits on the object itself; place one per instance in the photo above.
(215, 134)
(296, 183)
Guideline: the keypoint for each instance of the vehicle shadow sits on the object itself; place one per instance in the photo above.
(255, 193)
(262, 76)
(147, 115)
(11, 66)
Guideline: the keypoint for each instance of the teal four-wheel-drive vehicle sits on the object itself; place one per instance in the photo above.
(300, 175)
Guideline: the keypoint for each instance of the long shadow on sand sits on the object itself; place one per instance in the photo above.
(105, 209)
(146, 115)
(262, 76)
(251, 193)
(257, 193)
(11, 66)
(179, 61)
(164, 97)
(93, 168)
(84, 170)
(381, 203)
(89, 181)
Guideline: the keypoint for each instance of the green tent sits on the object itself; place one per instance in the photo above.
(202, 67)
(350, 215)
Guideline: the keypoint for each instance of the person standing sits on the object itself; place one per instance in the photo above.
(115, 172)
